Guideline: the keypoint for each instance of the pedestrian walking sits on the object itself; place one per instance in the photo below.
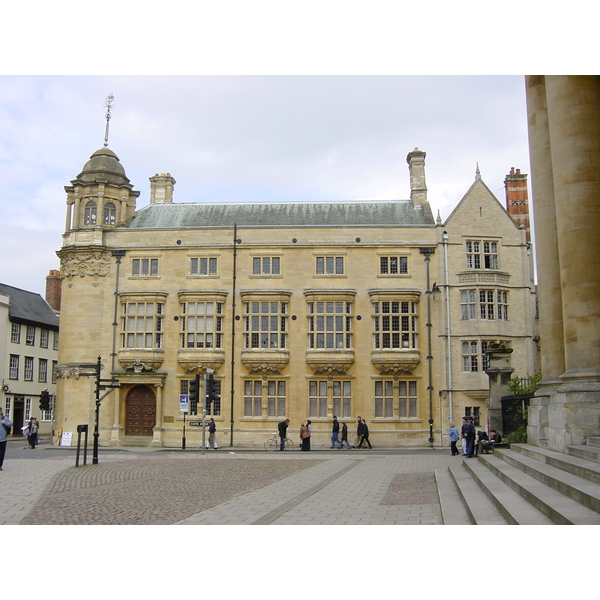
(364, 435)
(345, 436)
(4, 431)
(212, 434)
(453, 433)
(282, 430)
(31, 431)
(358, 431)
(335, 430)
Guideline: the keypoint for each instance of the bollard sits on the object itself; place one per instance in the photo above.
(81, 429)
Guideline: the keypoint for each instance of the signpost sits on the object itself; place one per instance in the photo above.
(184, 407)
(101, 384)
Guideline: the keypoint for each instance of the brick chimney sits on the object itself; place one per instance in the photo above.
(517, 199)
(161, 188)
(53, 290)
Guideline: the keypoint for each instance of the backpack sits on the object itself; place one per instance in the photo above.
(7, 428)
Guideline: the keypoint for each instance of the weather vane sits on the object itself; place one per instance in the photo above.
(108, 105)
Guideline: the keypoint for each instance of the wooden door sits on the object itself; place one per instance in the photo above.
(141, 411)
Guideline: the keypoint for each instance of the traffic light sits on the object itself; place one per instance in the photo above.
(210, 390)
(45, 400)
(193, 393)
(215, 394)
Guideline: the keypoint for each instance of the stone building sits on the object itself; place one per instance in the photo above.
(298, 310)
(28, 356)
(564, 142)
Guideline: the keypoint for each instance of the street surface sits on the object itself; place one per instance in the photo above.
(157, 487)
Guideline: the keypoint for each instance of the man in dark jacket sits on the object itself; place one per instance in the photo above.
(282, 428)
(334, 433)
(468, 432)
(364, 434)
(358, 431)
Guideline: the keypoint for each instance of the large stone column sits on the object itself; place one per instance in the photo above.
(564, 132)
(546, 239)
(574, 125)
(548, 267)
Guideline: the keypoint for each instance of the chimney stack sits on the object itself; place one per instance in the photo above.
(416, 170)
(517, 199)
(53, 290)
(161, 188)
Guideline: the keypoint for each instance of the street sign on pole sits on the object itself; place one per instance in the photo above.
(184, 405)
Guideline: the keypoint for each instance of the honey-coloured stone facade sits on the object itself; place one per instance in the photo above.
(297, 310)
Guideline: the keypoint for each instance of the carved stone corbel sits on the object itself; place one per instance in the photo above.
(199, 368)
(397, 369)
(264, 369)
(330, 369)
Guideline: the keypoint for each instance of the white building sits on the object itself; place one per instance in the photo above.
(28, 356)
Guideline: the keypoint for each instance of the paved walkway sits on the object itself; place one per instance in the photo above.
(238, 488)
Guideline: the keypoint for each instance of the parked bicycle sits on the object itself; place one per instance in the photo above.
(274, 443)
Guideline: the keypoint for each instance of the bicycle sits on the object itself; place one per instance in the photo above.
(274, 443)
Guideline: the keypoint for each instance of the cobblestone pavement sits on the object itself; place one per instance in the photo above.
(225, 488)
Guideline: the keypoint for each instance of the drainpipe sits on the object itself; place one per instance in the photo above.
(235, 243)
(448, 329)
(118, 254)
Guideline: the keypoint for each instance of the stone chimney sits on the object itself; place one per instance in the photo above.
(517, 199)
(53, 290)
(161, 188)
(416, 169)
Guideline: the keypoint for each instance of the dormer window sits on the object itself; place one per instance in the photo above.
(110, 213)
(89, 217)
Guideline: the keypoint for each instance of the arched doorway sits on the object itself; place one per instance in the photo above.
(140, 408)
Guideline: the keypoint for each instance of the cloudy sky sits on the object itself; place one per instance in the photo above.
(266, 100)
(247, 138)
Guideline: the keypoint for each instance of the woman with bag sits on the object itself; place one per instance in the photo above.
(305, 432)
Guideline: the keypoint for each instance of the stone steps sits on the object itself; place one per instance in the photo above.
(479, 508)
(451, 505)
(589, 451)
(523, 485)
(515, 509)
(581, 490)
(586, 469)
(137, 441)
